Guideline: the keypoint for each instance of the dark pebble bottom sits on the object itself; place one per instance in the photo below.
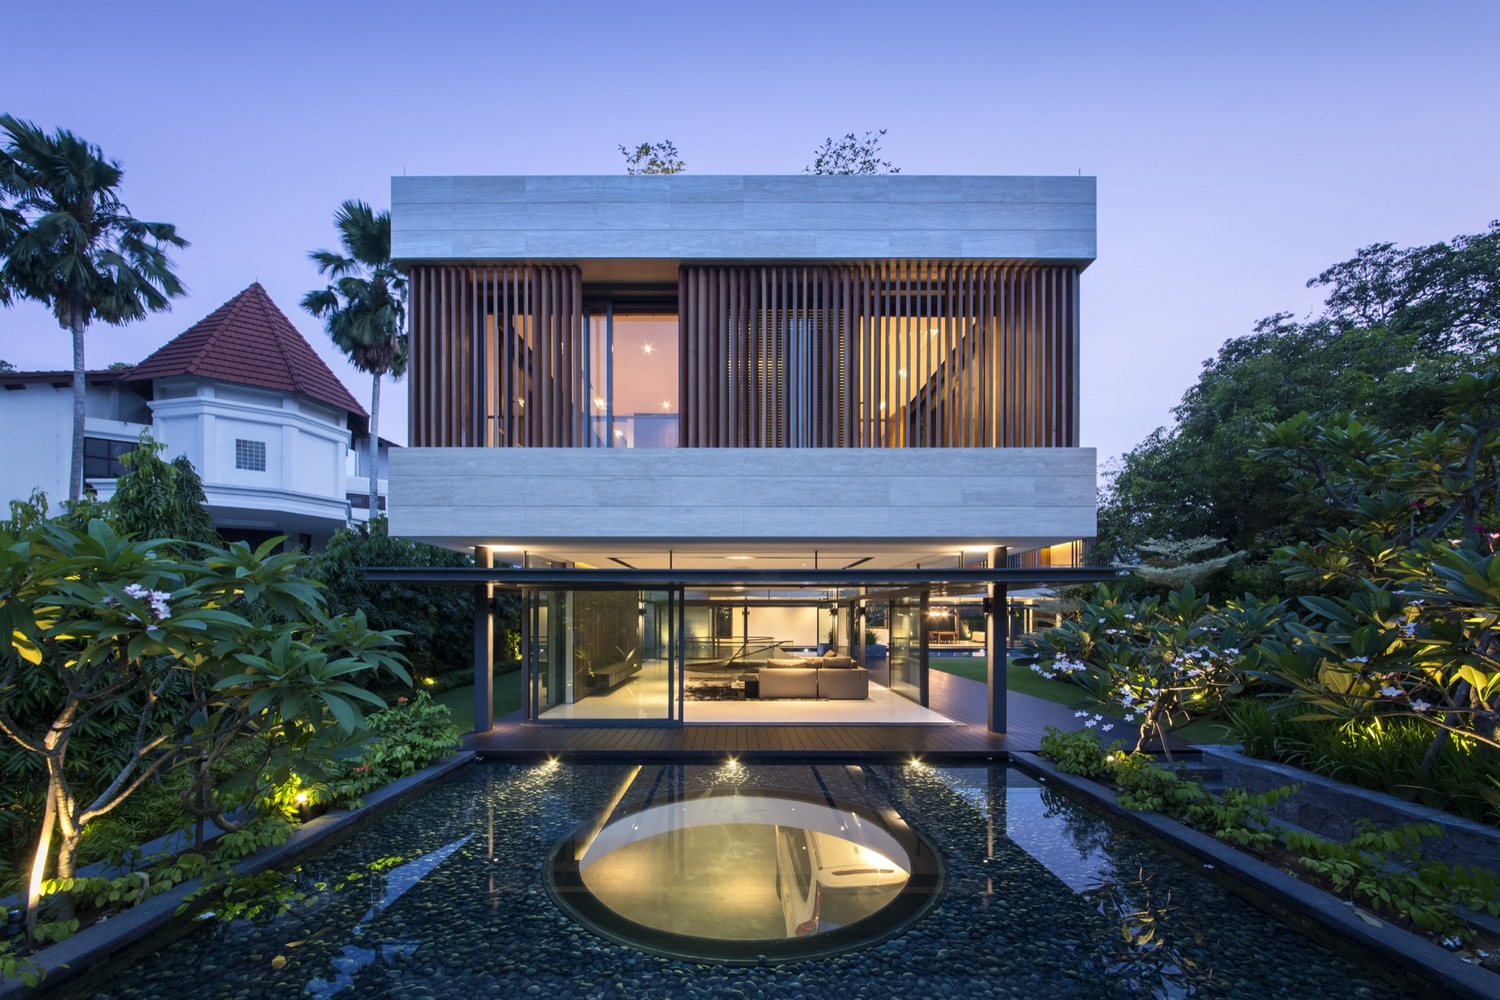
(480, 923)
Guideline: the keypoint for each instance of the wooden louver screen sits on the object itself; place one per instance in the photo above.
(889, 355)
(497, 357)
(897, 354)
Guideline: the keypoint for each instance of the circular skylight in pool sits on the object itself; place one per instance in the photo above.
(743, 876)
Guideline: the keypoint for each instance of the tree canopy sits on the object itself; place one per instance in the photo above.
(1384, 350)
(69, 242)
(364, 308)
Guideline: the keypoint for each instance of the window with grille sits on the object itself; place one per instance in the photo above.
(250, 455)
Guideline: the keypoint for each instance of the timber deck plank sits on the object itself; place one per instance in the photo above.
(960, 699)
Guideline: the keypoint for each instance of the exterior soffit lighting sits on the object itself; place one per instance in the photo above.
(739, 557)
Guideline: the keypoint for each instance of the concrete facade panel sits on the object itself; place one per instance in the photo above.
(489, 495)
(753, 217)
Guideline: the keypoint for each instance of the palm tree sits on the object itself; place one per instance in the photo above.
(364, 309)
(67, 240)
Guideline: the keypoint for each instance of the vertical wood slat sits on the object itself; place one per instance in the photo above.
(771, 356)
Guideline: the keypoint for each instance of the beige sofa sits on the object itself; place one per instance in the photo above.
(814, 677)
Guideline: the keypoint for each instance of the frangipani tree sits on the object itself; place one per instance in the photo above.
(66, 240)
(182, 659)
(1160, 661)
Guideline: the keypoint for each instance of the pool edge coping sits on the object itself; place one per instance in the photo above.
(1402, 949)
(67, 962)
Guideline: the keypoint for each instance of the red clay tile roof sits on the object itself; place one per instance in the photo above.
(248, 341)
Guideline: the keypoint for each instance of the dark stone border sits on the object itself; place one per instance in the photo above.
(94, 951)
(1429, 969)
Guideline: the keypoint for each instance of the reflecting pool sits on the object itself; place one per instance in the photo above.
(963, 881)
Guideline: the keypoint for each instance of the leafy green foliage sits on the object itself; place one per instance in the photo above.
(851, 154)
(67, 241)
(1446, 295)
(409, 736)
(1398, 329)
(653, 158)
(364, 309)
(1388, 755)
(157, 499)
(1417, 636)
(1385, 870)
(1164, 661)
(172, 664)
(1380, 867)
(1079, 752)
(438, 621)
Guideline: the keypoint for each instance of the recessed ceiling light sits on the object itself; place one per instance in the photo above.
(902, 373)
(647, 348)
(666, 405)
(598, 401)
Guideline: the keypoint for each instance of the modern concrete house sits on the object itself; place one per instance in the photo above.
(268, 426)
(705, 422)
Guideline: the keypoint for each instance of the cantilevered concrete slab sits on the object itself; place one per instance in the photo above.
(686, 217)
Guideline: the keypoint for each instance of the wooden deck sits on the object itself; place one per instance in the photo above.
(957, 698)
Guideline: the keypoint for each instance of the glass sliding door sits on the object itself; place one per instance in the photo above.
(908, 619)
(603, 655)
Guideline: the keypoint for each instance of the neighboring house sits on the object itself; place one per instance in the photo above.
(714, 419)
(264, 421)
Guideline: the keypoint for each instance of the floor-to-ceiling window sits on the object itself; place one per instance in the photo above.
(908, 625)
(603, 654)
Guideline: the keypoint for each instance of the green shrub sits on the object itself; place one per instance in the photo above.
(411, 734)
(1078, 752)
(1385, 870)
(1386, 755)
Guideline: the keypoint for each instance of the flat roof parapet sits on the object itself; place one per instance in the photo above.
(685, 217)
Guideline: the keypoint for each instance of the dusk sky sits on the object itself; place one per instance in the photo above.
(1239, 148)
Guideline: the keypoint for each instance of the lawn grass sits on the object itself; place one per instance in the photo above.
(460, 700)
(1019, 678)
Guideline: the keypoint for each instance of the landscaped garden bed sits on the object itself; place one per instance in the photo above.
(1376, 882)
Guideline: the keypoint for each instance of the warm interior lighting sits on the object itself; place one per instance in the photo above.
(598, 401)
(902, 373)
(647, 348)
(666, 405)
